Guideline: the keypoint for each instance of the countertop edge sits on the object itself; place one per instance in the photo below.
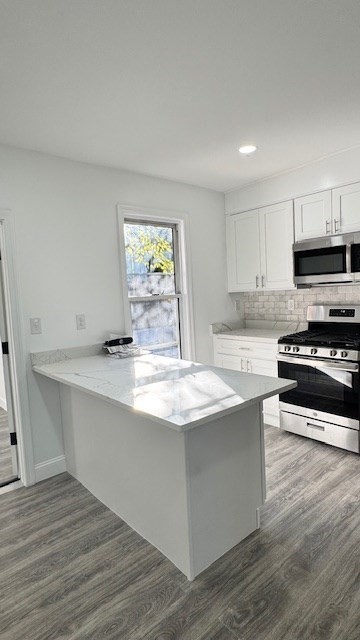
(167, 423)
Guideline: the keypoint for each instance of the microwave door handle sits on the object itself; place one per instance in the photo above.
(348, 260)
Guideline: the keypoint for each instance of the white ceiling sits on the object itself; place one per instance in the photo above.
(171, 88)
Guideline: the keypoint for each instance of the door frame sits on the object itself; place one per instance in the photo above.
(17, 350)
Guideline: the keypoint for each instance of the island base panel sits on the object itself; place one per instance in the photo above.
(134, 466)
(225, 483)
(193, 494)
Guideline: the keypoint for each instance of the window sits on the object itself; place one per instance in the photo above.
(156, 300)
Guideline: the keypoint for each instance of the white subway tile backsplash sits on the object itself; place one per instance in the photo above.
(272, 305)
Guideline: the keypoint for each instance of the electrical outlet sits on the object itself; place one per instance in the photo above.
(80, 321)
(35, 326)
(237, 305)
(291, 304)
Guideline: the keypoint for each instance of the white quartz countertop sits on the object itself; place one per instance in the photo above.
(261, 330)
(255, 335)
(176, 393)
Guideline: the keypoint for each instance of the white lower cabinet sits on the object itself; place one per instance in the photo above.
(236, 352)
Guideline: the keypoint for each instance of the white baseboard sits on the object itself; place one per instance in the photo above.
(3, 404)
(50, 468)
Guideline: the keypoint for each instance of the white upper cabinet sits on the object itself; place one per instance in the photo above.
(328, 213)
(346, 208)
(243, 251)
(313, 216)
(259, 244)
(276, 240)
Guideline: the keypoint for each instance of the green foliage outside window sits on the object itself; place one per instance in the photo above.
(151, 247)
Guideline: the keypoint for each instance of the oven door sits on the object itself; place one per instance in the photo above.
(325, 386)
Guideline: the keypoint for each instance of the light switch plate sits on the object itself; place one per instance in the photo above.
(80, 321)
(291, 304)
(35, 326)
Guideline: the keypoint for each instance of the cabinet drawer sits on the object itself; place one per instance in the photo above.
(341, 437)
(246, 349)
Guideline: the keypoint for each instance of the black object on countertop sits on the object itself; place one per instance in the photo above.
(117, 341)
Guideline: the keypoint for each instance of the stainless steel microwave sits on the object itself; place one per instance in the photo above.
(329, 260)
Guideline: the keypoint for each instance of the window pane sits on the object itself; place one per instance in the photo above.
(169, 352)
(155, 322)
(149, 259)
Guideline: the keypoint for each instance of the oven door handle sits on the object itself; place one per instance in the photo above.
(320, 364)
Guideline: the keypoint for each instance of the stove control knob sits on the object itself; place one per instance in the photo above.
(296, 349)
(344, 354)
(313, 351)
(287, 348)
(333, 352)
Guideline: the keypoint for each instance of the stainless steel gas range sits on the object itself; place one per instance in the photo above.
(324, 360)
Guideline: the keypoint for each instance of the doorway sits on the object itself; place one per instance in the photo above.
(16, 453)
(8, 439)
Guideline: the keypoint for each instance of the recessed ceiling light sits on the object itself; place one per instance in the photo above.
(246, 149)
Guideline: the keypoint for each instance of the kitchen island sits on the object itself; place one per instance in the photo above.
(175, 448)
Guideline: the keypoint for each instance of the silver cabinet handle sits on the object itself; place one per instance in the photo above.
(257, 282)
(248, 366)
(263, 281)
(337, 225)
(328, 226)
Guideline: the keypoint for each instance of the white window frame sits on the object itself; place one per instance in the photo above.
(184, 293)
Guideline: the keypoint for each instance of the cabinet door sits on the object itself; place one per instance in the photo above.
(313, 216)
(276, 240)
(271, 407)
(243, 249)
(230, 362)
(346, 208)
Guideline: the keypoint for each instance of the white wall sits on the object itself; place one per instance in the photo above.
(68, 260)
(338, 169)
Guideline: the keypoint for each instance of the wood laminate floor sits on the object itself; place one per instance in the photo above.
(72, 570)
(6, 470)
